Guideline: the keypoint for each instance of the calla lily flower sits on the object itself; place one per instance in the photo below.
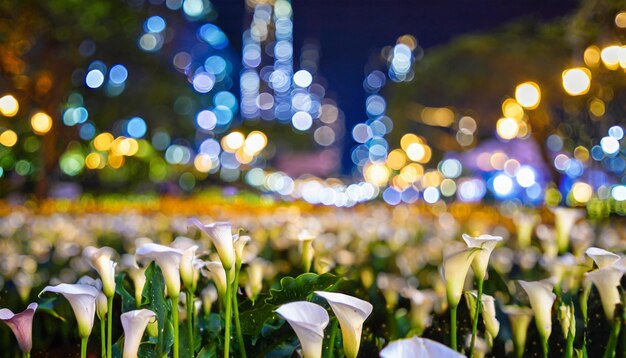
(519, 317)
(607, 279)
(82, 298)
(485, 242)
(564, 220)
(239, 243)
(21, 324)
(567, 319)
(422, 304)
(254, 284)
(492, 325)
(134, 324)
(137, 275)
(188, 270)
(101, 301)
(454, 272)
(525, 223)
(208, 296)
(308, 320)
(541, 300)
(221, 236)
(168, 260)
(216, 273)
(418, 347)
(351, 313)
(601, 257)
(100, 260)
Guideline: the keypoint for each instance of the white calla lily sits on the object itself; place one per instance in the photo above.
(221, 236)
(239, 244)
(564, 220)
(454, 271)
(308, 320)
(607, 279)
(137, 275)
(134, 324)
(82, 298)
(492, 325)
(21, 324)
(100, 260)
(216, 273)
(188, 270)
(418, 347)
(168, 259)
(486, 243)
(519, 318)
(541, 300)
(351, 313)
(602, 258)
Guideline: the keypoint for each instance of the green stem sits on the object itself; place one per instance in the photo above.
(544, 346)
(569, 348)
(190, 315)
(103, 344)
(83, 347)
(242, 345)
(453, 327)
(476, 314)
(331, 345)
(175, 324)
(612, 344)
(26, 355)
(109, 326)
(227, 315)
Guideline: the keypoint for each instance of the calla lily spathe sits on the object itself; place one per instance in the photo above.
(454, 271)
(308, 320)
(418, 347)
(134, 324)
(601, 257)
(216, 273)
(101, 301)
(189, 267)
(519, 318)
(137, 275)
(541, 300)
(82, 298)
(21, 324)
(100, 260)
(351, 313)
(486, 243)
(221, 236)
(168, 259)
(607, 280)
(564, 220)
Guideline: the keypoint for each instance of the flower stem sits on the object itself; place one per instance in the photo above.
(453, 327)
(612, 344)
(190, 316)
(103, 344)
(569, 348)
(333, 336)
(175, 324)
(109, 326)
(26, 355)
(227, 315)
(544, 346)
(83, 347)
(242, 345)
(476, 314)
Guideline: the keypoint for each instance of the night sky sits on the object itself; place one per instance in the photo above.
(349, 31)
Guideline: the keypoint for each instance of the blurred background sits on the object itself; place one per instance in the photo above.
(333, 103)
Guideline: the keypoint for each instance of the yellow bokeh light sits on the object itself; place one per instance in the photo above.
(620, 20)
(41, 123)
(377, 174)
(610, 57)
(102, 141)
(203, 163)
(576, 81)
(582, 192)
(233, 141)
(592, 56)
(93, 160)
(597, 107)
(9, 105)
(120, 146)
(243, 156)
(255, 142)
(621, 56)
(409, 174)
(133, 146)
(507, 128)
(8, 138)
(409, 139)
(528, 95)
(581, 153)
(512, 109)
(396, 159)
(115, 161)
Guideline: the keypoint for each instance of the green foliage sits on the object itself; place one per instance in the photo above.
(154, 298)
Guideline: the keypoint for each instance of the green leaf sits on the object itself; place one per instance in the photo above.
(208, 351)
(254, 317)
(154, 294)
(128, 301)
(48, 307)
